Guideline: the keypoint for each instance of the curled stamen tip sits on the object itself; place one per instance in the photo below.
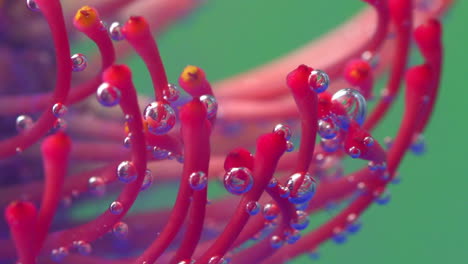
(135, 25)
(298, 79)
(192, 76)
(57, 145)
(86, 17)
(18, 213)
(117, 74)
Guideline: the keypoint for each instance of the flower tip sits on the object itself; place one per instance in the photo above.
(19, 212)
(117, 74)
(193, 111)
(86, 17)
(428, 33)
(298, 79)
(56, 145)
(238, 157)
(135, 26)
(191, 76)
(272, 143)
(357, 71)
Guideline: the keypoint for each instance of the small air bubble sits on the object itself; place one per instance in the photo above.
(284, 129)
(79, 62)
(211, 105)
(32, 5)
(126, 172)
(23, 123)
(172, 92)
(238, 180)
(160, 117)
(115, 31)
(59, 110)
(252, 207)
(318, 81)
(198, 180)
(108, 95)
(116, 208)
(147, 181)
(120, 230)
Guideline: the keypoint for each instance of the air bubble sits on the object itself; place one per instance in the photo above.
(318, 81)
(271, 211)
(252, 207)
(354, 152)
(108, 95)
(289, 146)
(238, 180)
(159, 153)
(82, 247)
(126, 172)
(172, 92)
(304, 192)
(23, 123)
(116, 207)
(59, 125)
(276, 242)
(353, 103)
(97, 186)
(198, 180)
(79, 62)
(301, 221)
(211, 105)
(383, 198)
(32, 5)
(120, 230)
(160, 117)
(283, 129)
(147, 181)
(327, 129)
(59, 110)
(57, 255)
(368, 141)
(115, 32)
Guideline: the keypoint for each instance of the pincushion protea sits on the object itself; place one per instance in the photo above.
(187, 135)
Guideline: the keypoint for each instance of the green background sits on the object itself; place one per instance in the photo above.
(426, 221)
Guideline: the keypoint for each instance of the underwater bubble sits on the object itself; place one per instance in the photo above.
(368, 141)
(354, 152)
(160, 154)
(304, 192)
(384, 198)
(211, 105)
(217, 260)
(252, 207)
(238, 180)
(32, 5)
(272, 183)
(97, 186)
(82, 247)
(120, 230)
(58, 254)
(327, 128)
(289, 146)
(292, 235)
(126, 172)
(318, 81)
(59, 110)
(115, 31)
(147, 181)
(116, 207)
(353, 103)
(284, 129)
(59, 125)
(301, 221)
(79, 62)
(276, 242)
(108, 95)
(198, 180)
(271, 211)
(284, 192)
(160, 117)
(23, 123)
(330, 145)
(172, 92)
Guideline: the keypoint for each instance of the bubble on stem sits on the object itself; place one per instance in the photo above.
(301, 221)
(318, 81)
(160, 117)
(126, 172)
(354, 152)
(289, 146)
(147, 181)
(217, 260)
(327, 128)
(108, 95)
(116, 207)
(120, 230)
(59, 110)
(284, 130)
(271, 211)
(198, 180)
(211, 105)
(32, 5)
(304, 192)
(59, 254)
(159, 153)
(79, 62)
(115, 31)
(238, 180)
(368, 141)
(252, 207)
(353, 103)
(276, 242)
(82, 247)
(172, 92)
(23, 123)
(96, 186)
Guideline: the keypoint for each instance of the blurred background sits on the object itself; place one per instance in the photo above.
(426, 220)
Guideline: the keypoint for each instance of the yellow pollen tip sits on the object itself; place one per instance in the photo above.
(192, 74)
(86, 16)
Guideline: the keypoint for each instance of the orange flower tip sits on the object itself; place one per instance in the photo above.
(56, 145)
(86, 17)
(117, 75)
(357, 71)
(135, 26)
(193, 111)
(20, 213)
(192, 76)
